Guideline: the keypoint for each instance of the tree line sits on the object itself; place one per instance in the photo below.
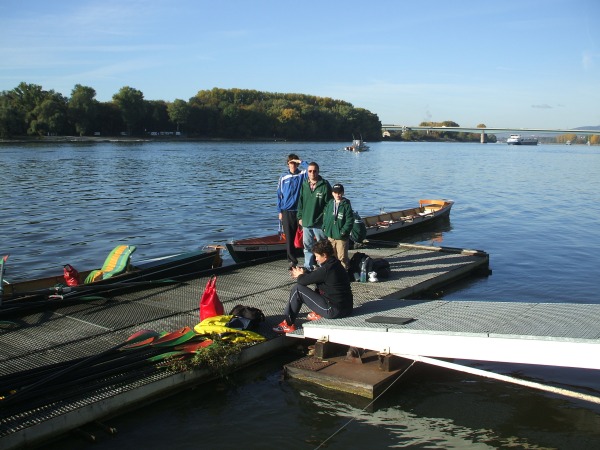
(29, 110)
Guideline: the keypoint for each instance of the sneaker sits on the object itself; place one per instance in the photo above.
(283, 328)
(313, 316)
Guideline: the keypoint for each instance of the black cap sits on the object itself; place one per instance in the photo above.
(338, 188)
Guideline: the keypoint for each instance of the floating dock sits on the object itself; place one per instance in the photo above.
(89, 328)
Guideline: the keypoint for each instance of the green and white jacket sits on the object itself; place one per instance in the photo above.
(338, 224)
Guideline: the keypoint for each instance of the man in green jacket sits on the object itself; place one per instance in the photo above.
(314, 195)
(338, 220)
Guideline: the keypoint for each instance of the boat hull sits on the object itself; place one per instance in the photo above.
(178, 266)
(517, 139)
(256, 248)
(385, 225)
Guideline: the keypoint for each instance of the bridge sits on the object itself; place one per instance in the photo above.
(484, 131)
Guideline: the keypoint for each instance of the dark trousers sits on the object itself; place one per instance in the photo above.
(303, 295)
(289, 222)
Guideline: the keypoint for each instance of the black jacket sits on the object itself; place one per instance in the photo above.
(332, 282)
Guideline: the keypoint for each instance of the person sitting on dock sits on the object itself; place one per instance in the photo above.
(333, 297)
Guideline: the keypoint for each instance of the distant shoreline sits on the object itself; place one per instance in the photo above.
(96, 139)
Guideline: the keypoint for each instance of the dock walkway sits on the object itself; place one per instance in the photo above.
(95, 326)
(553, 334)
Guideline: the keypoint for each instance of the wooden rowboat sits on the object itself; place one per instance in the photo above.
(382, 225)
(176, 266)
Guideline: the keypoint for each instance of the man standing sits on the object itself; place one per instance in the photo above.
(288, 193)
(314, 195)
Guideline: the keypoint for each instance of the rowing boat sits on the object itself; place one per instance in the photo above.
(179, 266)
(392, 224)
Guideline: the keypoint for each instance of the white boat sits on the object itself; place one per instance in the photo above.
(358, 145)
(517, 139)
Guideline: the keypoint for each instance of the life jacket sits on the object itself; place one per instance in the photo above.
(217, 325)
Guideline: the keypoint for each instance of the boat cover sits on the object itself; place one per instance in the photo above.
(116, 263)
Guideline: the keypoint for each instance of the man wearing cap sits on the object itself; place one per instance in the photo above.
(288, 193)
(338, 220)
(314, 195)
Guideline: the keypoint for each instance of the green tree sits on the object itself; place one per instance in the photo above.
(12, 119)
(50, 115)
(83, 109)
(156, 116)
(26, 97)
(179, 112)
(132, 106)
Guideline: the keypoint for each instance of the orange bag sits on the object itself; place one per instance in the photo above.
(210, 305)
(298, 239)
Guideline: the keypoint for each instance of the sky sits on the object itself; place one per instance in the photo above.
(509, 63)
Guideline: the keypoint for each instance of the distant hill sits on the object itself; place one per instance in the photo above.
(588, 128)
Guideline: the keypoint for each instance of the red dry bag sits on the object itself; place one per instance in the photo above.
(298, 239)
(71, 275)
(210, 305)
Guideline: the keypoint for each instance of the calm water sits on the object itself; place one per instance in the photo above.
(535, 210)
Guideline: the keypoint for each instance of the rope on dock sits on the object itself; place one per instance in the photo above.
(496, 376)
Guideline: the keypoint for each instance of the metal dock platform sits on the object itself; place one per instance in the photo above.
(437, 332)
(86, 329)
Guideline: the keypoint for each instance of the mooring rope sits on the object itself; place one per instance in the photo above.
(370, 403)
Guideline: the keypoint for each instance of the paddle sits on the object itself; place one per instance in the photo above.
(60, 290)
(19, 308)
(2, 268)
(381, 243)
(138, 336)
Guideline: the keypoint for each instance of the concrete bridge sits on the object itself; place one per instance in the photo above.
(484, 131)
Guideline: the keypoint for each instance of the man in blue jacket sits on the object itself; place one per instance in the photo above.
(288, 193)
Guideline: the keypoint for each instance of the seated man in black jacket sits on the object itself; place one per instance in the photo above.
(331, 299)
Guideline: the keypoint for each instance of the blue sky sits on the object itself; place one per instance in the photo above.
(510, 63)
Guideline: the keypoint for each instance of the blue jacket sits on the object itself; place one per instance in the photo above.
(288, 188)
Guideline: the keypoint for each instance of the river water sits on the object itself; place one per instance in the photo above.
(535, 210)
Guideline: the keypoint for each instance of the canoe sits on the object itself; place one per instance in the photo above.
(176, 266)
(383, 225)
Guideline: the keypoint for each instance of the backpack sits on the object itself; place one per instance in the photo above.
(359, 229)
(379, 265)
(245, 318)
(355, 264)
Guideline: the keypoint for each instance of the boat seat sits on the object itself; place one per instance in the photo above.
(116, 263)
(370, 221)
(387, 217)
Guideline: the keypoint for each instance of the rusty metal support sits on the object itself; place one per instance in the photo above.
(326, 349)
(354, 355)
(388, 362)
